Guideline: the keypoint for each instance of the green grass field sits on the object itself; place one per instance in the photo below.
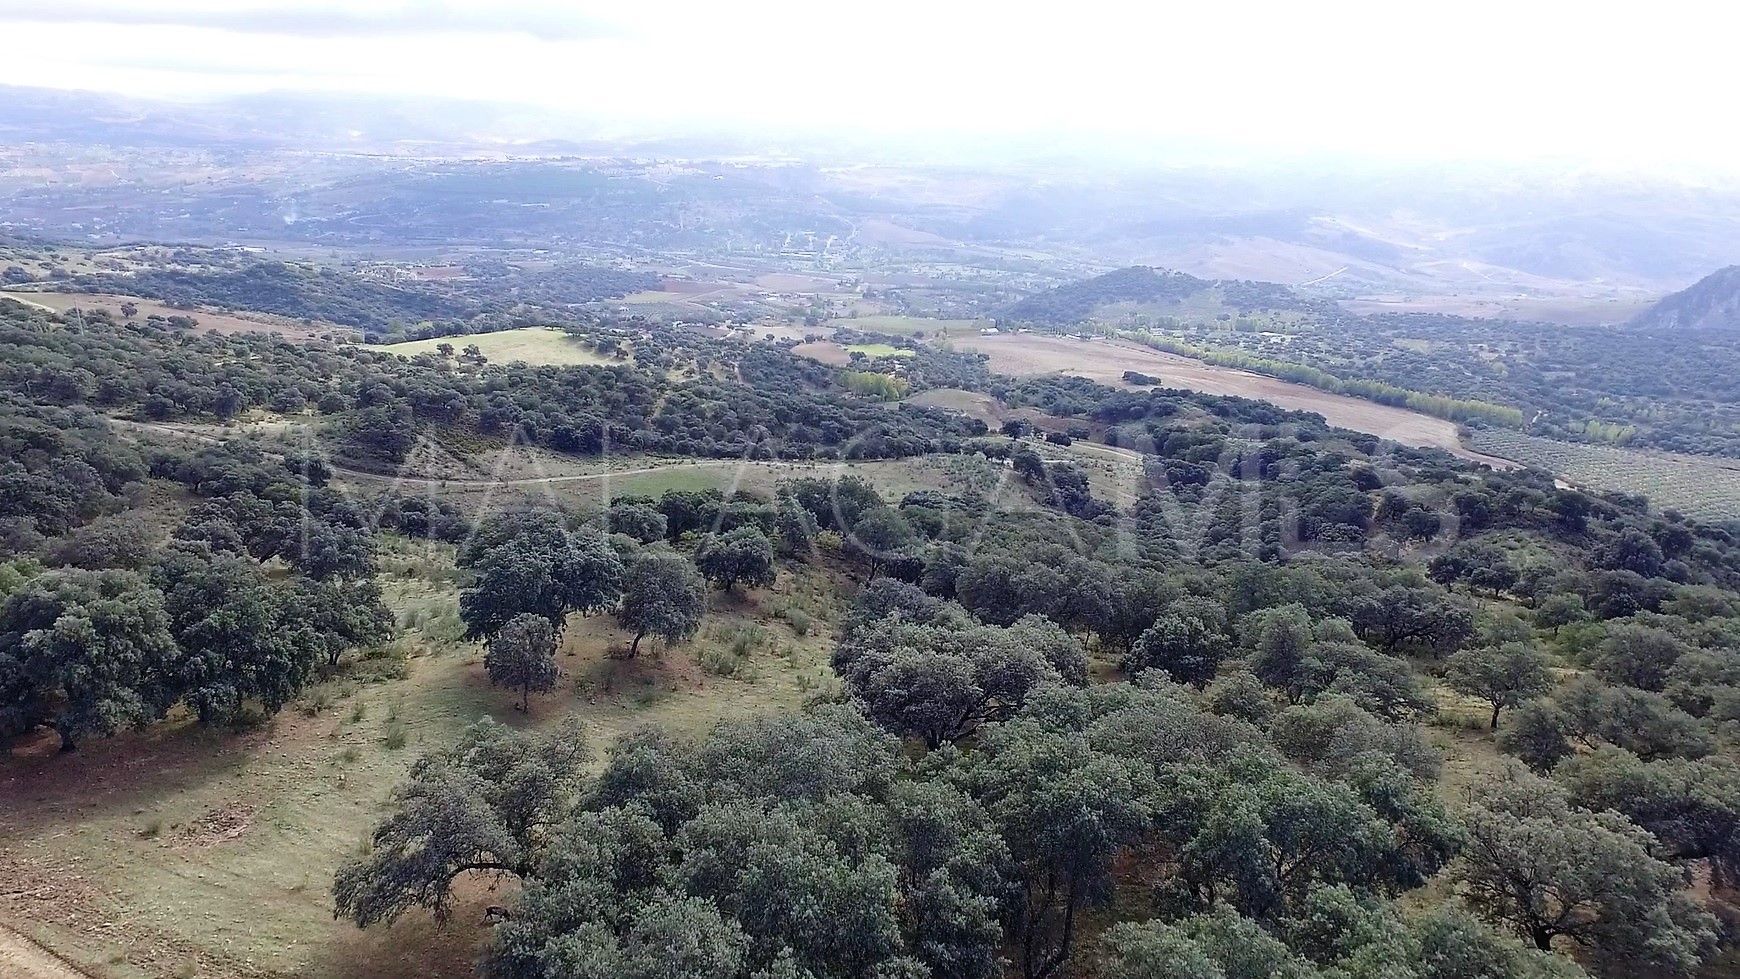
(878, 350)
(528, 345)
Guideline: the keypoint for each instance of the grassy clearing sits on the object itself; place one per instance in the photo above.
(695, 478)
(878, 350)
(895, 477)
(529, 345)
(1114, 475)
(182, 852)
(835, 355)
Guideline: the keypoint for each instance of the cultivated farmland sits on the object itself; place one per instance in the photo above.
(1699, 486)
(1105, 361)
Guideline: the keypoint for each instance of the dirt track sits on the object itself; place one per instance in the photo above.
(22, 958)
(1105, 361)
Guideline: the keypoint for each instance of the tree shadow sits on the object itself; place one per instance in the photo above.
(414, 947)
(124, 772)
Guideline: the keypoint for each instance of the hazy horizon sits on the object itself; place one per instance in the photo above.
(1573, 89)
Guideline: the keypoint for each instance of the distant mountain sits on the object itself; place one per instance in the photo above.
(1141, 285)
(293, 167)
(1711, 303)
(306, 122)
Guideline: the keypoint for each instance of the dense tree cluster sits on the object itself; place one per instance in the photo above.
(1254, 794)
(1075, 302)
(1556, 870)
(742, 555)
(489, 295)
(1195, 710)
(924, 667)
(132, 619)
(1335, 936)
(59, 467)
(810, 845)
(1663, 388)
(767, 405)
(527, 562)
(296, 291)
(90, 652)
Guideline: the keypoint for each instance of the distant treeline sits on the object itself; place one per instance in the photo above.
(1676, 390)
(494, 296)
(296, 291)
(1437, 405)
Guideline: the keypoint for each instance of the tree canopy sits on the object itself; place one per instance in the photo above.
(664, 596)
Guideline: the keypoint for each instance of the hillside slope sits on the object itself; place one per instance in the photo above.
(1074, 302)
(1711, 303)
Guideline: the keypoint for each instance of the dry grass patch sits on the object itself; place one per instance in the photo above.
(825, 351)
(182, 851)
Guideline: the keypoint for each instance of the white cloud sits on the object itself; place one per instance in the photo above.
(318, 18)
(1603, 85)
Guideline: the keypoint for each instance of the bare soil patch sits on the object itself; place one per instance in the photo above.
(23, 958)
(825, 351)
(208, 320)
(973, 404)
(796, 331)
(220, 825)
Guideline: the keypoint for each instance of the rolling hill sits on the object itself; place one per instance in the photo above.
(1141, 285)
(1711, 303)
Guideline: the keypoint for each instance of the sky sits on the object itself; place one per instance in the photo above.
(1644, 87)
